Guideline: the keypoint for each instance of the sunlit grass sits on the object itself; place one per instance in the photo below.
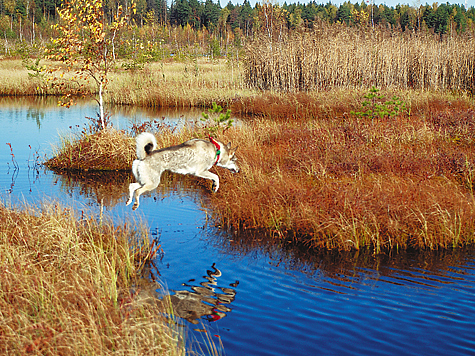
(163, 84)
(66, 286)
(178, 84)
(104, 150)
(14, 80)
(330, 179)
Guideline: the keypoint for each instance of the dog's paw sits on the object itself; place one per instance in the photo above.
(128, 202)
(215, 187)
(136, 205)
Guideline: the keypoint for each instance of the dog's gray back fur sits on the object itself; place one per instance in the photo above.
(195, 156)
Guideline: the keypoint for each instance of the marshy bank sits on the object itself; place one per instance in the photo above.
(316, 171)
(318, 167)
(189, 83)
(319, 171)
(68, 286)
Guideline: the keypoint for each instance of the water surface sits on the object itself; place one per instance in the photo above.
(257, 297)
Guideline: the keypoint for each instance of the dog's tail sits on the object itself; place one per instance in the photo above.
(146, 143)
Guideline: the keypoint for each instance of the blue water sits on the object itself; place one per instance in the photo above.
(254, 296)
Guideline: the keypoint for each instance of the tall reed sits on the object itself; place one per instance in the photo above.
(340, 56)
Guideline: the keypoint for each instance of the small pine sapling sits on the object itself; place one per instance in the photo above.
(375, 107)
(217, 123)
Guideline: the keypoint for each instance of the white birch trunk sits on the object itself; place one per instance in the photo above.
(101, 105)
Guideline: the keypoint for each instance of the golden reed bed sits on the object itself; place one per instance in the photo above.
(346, 57)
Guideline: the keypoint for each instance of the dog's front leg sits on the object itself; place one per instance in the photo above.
(132, 188)
(213, 177)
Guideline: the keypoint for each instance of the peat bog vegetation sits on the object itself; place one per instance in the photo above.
(317, 171)
(328, 161)
(349, 138)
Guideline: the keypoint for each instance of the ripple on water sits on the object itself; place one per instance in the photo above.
(409, 312)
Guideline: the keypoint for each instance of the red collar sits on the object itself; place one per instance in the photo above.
(218, 149)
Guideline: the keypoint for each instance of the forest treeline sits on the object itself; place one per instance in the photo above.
(30, 20)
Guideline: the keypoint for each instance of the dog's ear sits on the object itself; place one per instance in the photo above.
(228, 146)
(232, 151)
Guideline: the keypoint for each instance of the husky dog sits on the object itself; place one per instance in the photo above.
(193, 157)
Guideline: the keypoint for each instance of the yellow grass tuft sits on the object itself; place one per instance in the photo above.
(66, 286)
(104, 150)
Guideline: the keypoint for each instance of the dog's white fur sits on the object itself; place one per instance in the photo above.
(195, 157)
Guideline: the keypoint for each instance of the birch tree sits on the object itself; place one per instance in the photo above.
(83, 44)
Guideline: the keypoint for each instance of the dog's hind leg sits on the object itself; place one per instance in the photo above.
(145, 188)
(132, 188)
(213, 177)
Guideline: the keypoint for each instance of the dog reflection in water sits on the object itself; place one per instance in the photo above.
(206, 300)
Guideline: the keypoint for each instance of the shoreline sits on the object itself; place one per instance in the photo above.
(68, 285)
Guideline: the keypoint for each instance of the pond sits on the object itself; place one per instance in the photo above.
(255, 296)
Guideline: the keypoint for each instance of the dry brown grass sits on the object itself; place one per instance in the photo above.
(346, 182)
(66, 287)
(105, 150)
(165, 84)
(332, 57)
(14, 79)
(178, 84)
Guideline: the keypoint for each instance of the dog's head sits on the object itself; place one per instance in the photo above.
(228, 158)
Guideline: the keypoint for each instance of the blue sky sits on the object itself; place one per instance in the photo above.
(392, 3)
